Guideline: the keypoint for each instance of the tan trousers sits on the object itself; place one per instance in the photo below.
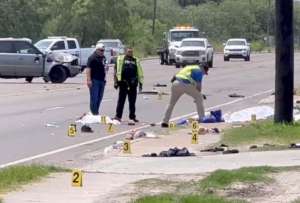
(177, 90)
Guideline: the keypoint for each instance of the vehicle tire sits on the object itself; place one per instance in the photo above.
(29, 79)
(211, 63)
(177, 65)
(58, 74)
(226, 58)
(247, 58)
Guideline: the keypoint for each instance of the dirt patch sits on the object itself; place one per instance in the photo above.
(284, 188)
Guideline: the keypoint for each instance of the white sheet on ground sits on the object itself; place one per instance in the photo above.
(92, 119)
(261, 112)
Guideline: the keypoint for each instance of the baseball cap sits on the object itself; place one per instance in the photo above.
(100, 46)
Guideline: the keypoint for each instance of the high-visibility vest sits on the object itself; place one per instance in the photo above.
(186, 73)
(120, 66)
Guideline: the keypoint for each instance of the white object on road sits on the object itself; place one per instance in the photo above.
(261, 112)
(92, 119)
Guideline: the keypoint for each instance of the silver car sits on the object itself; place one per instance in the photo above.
(19, 58)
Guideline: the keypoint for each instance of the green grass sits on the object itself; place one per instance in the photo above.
(168, 198)
(13, 177)
(262, 132)
(222, 178)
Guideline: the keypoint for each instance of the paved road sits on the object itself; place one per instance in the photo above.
(26, 109)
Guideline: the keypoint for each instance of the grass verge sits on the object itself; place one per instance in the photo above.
(221, 179)
(169, 198)
(13, 177)
(262, 132)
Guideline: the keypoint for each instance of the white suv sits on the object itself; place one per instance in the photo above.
(194, 50)
(237, 48)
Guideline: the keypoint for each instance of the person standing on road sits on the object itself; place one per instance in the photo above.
(128, 77)
(95, 73)
(187, 81)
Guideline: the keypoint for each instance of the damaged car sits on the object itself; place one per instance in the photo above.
(19, 58)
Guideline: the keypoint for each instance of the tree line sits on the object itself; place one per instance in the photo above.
(132, 20)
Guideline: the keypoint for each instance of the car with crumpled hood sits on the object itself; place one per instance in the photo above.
(19, 58)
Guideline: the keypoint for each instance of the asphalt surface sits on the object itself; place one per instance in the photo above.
(34, 118)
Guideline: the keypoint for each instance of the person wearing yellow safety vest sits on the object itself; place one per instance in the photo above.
(187, 81)
(128, 76)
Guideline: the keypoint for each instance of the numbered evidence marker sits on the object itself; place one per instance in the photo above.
(195, 126)
(127, 147)
(77, 176)
(103, 119)
(195, 137)
(172, 125)
(72, 130)
(110, 128)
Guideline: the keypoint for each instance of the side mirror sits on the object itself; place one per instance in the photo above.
(249, 44)
(224, 44)
(209, 46)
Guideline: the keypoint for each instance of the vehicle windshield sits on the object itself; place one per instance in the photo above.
(180, 35)
(43, 44)
(233, 43)
(193, 44)
(110, 44)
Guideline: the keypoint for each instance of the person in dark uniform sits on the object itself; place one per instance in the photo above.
(128, 77)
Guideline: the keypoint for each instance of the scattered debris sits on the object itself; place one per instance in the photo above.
(204, 96)
(231, 151)
(86, 129)
(152, 124)
(139, 134)
(160, 85)
(52, 125)
(154, 92)
(89, 118)
(253, 147)
(213, 117)
(235, 95)
(146, 98)
(295, 145)
(221, 148)
(172, 152)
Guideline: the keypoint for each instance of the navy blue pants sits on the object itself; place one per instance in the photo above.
(96, 95)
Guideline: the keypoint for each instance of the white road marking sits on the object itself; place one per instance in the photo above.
(54, 108)
(120, 133)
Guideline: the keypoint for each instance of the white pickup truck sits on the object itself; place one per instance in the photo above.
(71, 46)
(194, 50)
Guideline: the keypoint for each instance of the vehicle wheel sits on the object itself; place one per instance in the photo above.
(58, 75)
(211, 63)
(226, 58)
(29, 79)
(177, 65)
(247, 58)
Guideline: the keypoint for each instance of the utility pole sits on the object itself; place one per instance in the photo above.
(269, 24)
(284, 79)
(154, 16)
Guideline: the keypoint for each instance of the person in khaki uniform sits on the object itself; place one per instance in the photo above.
(187, 81)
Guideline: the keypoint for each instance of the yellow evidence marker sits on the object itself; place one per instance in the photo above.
(77, 176)
(195, 137)
(103, 120)
(110, 128)
(195, 126)
(172, 125)
(127, 147)
(72, 130)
